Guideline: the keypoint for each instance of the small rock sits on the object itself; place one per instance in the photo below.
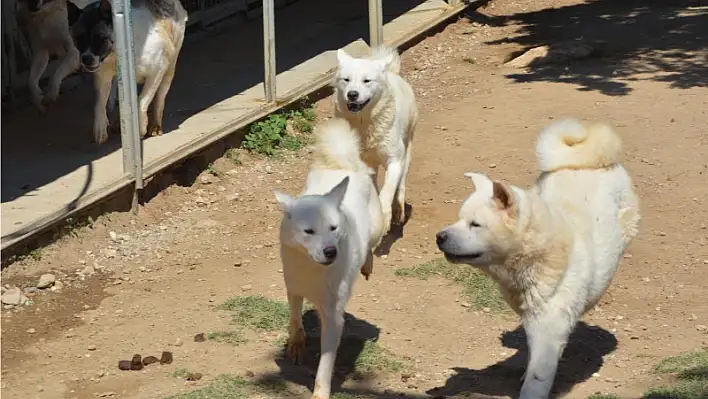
(193, 376)
(486, 310)
(91, 347)
(88, 270)
(111, 253)
(57, 285)
(178, 342)
(247, 287)
(465, 304)
(199, 337)
(31, 331)
(13, 296)
(108, 394)
(492, 165)
(30, 290)
(113, 235)
(558, 53)
(46, 280)
(702, 328)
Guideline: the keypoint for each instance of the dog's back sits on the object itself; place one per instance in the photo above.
(337, 154)
(581, 177)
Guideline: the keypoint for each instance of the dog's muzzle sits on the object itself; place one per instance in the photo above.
(356, 107)
(442, 240)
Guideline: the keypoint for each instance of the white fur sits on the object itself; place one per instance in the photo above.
(356, 213)
(555, 248)
(155, 69)
(387, 121)
(49, 34)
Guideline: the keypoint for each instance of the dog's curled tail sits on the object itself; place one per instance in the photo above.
(388, 55)
(571, 144)
(337, 146)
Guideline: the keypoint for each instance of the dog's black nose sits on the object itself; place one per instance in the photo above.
(86, 59)
(330, 252)
(441, 237)
(352, 95)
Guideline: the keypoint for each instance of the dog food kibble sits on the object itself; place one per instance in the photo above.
(166, 358)
(136, 363)
(150, 360)
(199, 337)
(124, 364)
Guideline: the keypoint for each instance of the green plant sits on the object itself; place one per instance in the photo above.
(480, 290)
(690, 372)
(270, 136)
(258, 312)
(230, 337)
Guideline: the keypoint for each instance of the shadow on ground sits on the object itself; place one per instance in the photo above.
(634, 40)
(583, 356)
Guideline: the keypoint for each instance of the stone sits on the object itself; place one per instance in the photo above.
(13, 296)
(46, 280)
(555, 54)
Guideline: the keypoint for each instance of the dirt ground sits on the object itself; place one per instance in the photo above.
(149, 283)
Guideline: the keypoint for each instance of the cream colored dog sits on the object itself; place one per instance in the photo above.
(326, 238)
(372, 96)
(552, 249)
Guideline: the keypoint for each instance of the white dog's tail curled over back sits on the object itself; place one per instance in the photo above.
(571, 144)
(388, 55)
(337, 146)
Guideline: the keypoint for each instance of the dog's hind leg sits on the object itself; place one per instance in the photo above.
(332, 322)
(69, 63)
(147, 94)
(401, 192)
(158, 103)
(296, 332)
(39, 64)
(546, 338)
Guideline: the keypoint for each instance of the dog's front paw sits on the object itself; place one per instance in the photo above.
(154, 130)
(296, 347)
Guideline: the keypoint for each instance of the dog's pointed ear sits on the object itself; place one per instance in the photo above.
(336, 194)
(285, 201)
(503, 196)
(343, 56)
(482, 182)
(105, 8)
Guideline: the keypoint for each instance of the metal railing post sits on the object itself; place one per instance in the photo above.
(131, 142)
(269, 50)
(375, 23)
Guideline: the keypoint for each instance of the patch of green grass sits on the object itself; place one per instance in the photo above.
(481, 291)
(258, 312)
(233, 155)
(234, 338)
(231, 387)
(374, 358)
(603, 396)
(180, 373)
(270, 136)
(211, 169)
(36, 254)
(691, 377)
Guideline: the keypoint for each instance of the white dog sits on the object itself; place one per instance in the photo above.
(370, 94)
(552, 249)
(326, 238)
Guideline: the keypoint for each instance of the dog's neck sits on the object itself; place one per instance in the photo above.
(534, 268)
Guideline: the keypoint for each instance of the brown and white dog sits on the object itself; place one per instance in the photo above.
(47, 26)
(158, 34)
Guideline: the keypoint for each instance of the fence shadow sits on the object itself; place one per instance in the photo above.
(634, 40)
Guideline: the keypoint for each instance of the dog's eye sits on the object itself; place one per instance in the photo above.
(309, 231)
(367, 80)
(332, 228)
(346, 79)
(474, 224)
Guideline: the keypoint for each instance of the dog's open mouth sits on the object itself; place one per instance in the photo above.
(356, 107)
(90, 69)
(452, 258)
